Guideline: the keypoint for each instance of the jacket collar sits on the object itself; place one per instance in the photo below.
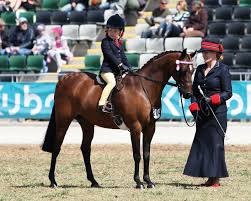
(215, 66)
(110, 39)
(212, 70)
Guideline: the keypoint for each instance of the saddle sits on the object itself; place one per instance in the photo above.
(119, 79)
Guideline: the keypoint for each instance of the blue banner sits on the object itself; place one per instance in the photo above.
(239, 106)
(26, 100)
(35, 100)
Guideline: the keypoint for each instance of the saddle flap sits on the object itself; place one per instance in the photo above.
(100, 80)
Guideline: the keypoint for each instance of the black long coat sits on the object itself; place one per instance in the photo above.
(113, 56)
(207, 155)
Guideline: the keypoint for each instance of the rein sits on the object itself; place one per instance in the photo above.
(183, 111)
(153, 80)
(178, 62)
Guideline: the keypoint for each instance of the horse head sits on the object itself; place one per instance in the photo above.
(183, 71)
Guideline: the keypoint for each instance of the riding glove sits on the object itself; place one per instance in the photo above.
(125, 68)
(194, 109)
(214, 99)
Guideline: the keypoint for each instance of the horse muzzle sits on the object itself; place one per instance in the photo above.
(187, 95)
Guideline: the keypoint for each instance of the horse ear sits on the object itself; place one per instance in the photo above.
(183, 54)
(193, 54)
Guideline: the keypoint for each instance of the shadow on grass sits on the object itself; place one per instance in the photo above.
(31, 185)
(89, 187)
(182, 185)
(47, 186)
(68, 186)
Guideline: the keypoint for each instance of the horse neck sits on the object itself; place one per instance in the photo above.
(157, 70)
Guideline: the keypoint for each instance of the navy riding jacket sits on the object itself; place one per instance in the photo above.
(217, 81)
(113, 56)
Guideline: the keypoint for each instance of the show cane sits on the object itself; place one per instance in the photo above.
(224, 133)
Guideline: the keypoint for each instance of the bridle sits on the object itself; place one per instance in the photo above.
(178, 62)
(191, 66)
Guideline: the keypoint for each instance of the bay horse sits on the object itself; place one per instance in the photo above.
(77, 95)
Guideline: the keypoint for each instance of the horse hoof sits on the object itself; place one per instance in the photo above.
(140, 186)
(151, 186)
(96, 185)
(53, 185)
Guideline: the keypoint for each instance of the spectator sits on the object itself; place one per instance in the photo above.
(174, 26)
(30, 5)
(108, 4)
(129, 9)
(15, 4)
(159, 15)
(43, 42)
(75, 5)
(5, 6)
(21, 39)
(60, 51)
(3, 37)
(197, 22)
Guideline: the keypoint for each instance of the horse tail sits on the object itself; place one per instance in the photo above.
(50, 133)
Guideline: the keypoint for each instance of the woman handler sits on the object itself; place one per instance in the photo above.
(213, 80)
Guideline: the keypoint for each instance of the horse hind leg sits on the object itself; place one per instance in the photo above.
(88, 132)
(62, 124)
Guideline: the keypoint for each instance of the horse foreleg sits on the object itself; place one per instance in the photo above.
(148, 133)
(135, 138)
(88, 132)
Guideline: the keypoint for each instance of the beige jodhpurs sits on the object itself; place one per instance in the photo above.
(111, 83)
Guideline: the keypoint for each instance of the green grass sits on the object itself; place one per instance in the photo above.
(24, 170)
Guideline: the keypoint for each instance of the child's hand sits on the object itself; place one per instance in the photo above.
(124, 68)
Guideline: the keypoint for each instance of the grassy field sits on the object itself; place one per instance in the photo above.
(24, 170)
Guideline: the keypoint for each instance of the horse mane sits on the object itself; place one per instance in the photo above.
(157, 57)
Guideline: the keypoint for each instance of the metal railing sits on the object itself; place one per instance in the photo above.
(31, 77)
(243, 76)
(53, 77)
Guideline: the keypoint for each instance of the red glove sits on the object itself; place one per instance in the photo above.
(215, 99)
(194, 107)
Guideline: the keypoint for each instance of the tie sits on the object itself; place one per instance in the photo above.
(117, 43)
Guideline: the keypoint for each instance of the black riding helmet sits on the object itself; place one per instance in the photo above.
(116, 21)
